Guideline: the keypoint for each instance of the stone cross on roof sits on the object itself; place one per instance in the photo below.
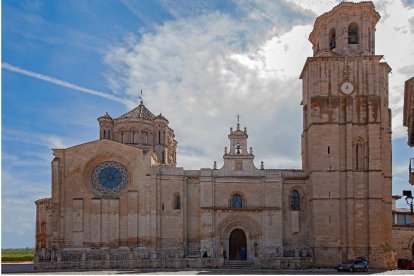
(238, 121)
(140, 97)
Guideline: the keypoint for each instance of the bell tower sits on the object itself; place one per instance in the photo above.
(238, 160)
(346, 138)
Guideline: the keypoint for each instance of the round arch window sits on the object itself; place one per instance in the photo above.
(236, 201)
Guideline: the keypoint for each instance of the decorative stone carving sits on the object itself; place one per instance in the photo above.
(109, 179)
(239, 221)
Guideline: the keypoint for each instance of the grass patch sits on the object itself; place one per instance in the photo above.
(17, 254)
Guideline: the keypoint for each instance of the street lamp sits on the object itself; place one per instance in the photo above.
(408, 199)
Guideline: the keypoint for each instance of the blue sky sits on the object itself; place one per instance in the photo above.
(65, 63)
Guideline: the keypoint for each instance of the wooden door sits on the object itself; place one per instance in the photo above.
(237, 241)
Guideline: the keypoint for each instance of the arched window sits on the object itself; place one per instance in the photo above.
(104, 134)
(133, 136)
(359, 154)
(236, 201)
(332, 39)
(295, 201)
(177, 202)
(353, 36)
(145, 138)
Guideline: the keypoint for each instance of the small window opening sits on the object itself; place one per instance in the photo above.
(163, 157)
(332, 39)
(329, 150)
(357, 156)
(404, 219)
(159, 137)
(369, 40)
(177, 202)
(104, 134)
(353, 37)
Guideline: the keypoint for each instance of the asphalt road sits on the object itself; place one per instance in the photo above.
(17, 268)
(27, 268)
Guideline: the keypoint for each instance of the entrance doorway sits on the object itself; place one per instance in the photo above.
(237, 242)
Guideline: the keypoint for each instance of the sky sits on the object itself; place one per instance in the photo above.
(198, 62)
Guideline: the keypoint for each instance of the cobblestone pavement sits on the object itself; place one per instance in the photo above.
(27, 268)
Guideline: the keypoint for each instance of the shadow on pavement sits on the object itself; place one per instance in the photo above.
(17, 268)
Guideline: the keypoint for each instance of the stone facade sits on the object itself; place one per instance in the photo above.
(345, 106)
(408, 118)
(403, 231)
(408, 121)
(121, 201)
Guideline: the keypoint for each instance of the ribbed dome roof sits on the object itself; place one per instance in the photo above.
(139, 112)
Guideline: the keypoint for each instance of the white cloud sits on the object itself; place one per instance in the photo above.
(317, 6)
(394, 40)
(200, 72)
(54, 142)
(49, 141)
(66, 84)
(18, 207)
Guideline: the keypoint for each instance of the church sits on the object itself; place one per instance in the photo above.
(121, 201)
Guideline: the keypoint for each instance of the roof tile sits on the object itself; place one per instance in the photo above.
(139, 112)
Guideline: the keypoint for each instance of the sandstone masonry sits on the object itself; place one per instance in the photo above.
(121, 202)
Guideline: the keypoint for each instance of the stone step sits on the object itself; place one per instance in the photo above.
(238, 264)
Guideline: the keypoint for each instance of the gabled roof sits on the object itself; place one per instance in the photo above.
(139, 112)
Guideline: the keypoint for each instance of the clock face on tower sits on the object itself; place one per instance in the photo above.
(347, 88)
(109, 178)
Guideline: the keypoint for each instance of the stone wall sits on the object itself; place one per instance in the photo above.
(131, 264)
(403, 241)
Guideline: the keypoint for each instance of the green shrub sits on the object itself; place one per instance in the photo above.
(17, 254)
(16, 257)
